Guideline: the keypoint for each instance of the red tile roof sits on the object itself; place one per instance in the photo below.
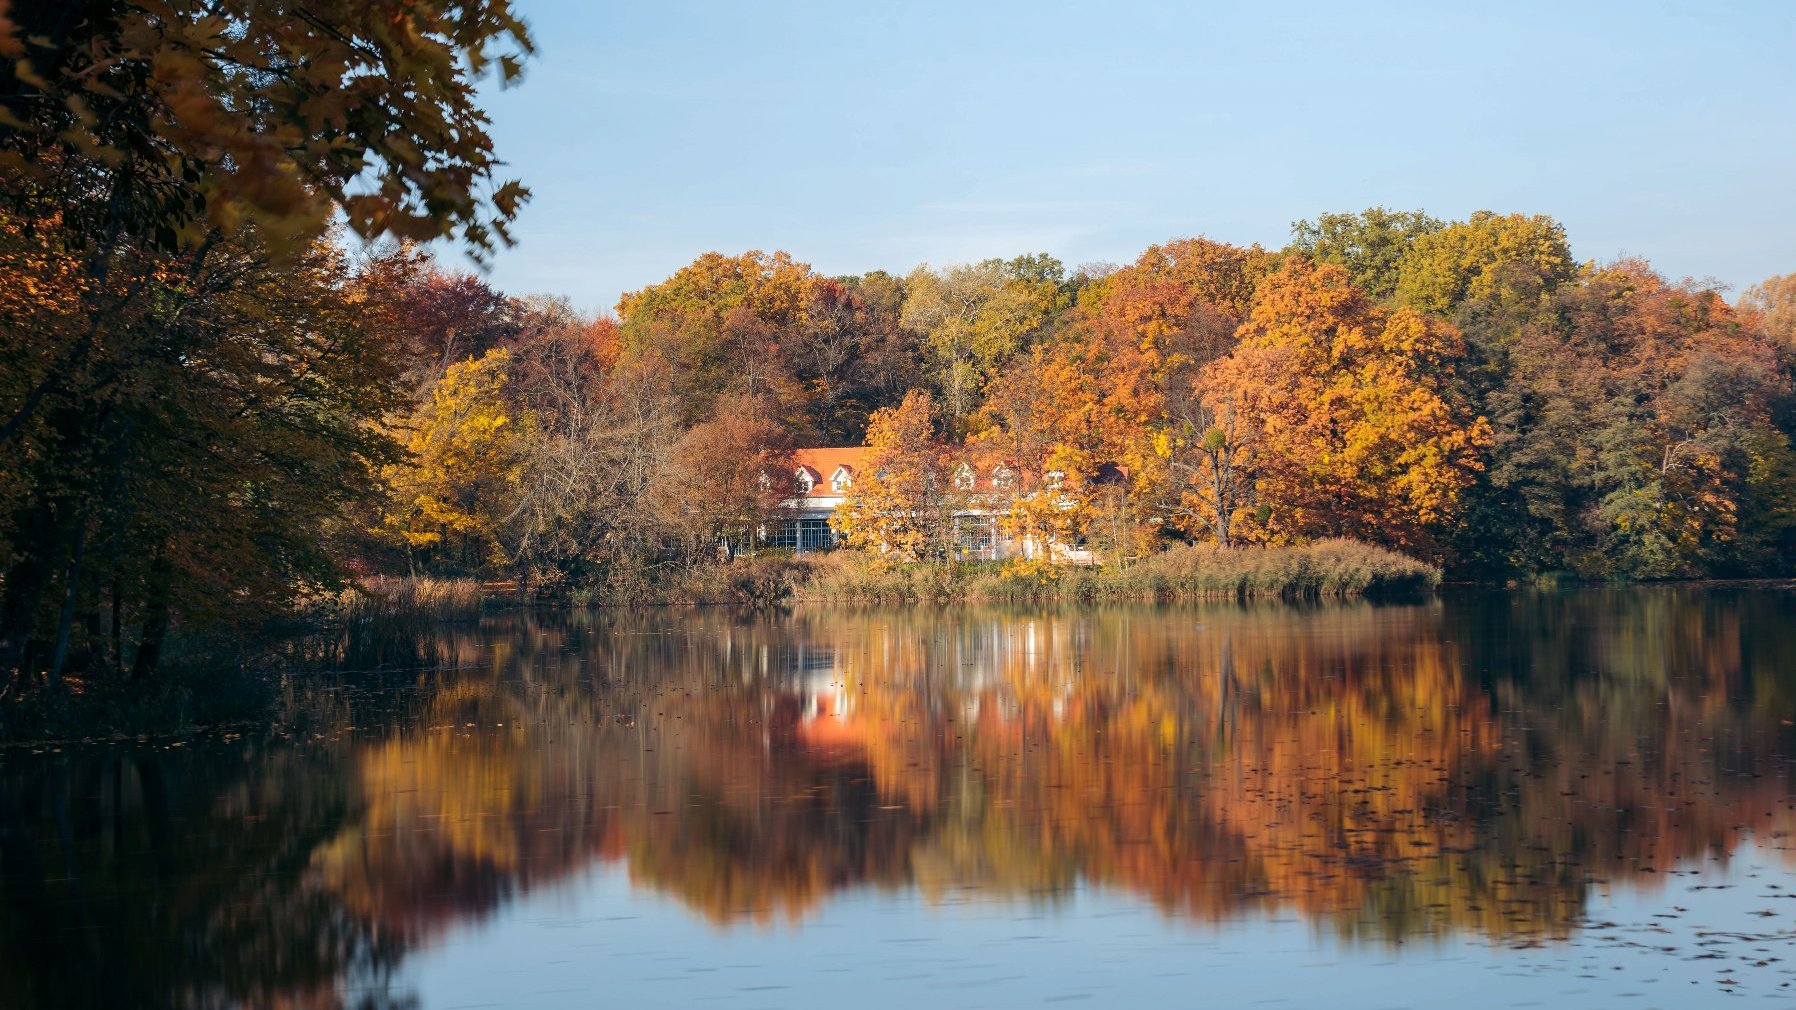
(822, 462)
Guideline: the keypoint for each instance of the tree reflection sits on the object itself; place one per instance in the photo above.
(1475, 765)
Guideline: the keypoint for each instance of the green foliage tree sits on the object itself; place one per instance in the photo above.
(1369, 245)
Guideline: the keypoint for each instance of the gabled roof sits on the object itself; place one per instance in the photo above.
(823, 463)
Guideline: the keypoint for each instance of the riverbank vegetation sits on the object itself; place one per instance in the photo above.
(1322, 570)
(216, 409)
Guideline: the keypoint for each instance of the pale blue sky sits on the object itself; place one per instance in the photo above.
(862, 135)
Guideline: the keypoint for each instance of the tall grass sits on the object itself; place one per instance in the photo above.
(421, 598)
(389, 622)
(1325, 569)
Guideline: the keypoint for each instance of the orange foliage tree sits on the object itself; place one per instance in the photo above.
(1358, 424)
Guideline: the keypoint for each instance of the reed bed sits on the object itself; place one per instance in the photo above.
(388, 623)
(1321, 570)
(413, 599)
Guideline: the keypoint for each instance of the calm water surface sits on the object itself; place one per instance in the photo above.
(1579, 799)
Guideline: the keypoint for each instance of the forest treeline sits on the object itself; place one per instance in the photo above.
(231, 377)
(1462, 391)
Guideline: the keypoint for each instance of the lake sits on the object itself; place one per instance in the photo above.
(1577, 798)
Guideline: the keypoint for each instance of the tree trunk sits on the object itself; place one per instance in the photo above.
(65, 621)
(118, 631)
(26, 582)
(93, 634)
(155, 619)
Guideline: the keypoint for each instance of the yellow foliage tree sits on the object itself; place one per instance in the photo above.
(902, 504)
(1467, 259)
(467, 448)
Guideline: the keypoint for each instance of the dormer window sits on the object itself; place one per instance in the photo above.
(1055, 477)
(841, 480)
(764, 482)
(963, 478)
(805, 482)
(1002, 477)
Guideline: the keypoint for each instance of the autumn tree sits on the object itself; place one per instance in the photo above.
(728, 477)
(853, 354)
(1775, 300)
(718, 324)
(1362, 428)
(589, 510)
(204, 487)
(450, 316)
(198, 393)
(1167, 281)
(163, 121)
(1054, 439)
(903, 501)
(1213, 454)
(889, 355)
(1635, 429)
(973, 319)
(466, 456)
(1141, 336)
(1466, 259)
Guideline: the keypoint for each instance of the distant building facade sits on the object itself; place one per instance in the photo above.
(825, 478)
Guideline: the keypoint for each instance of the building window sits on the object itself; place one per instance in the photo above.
(801, 536)
(963, 478)
(805, 482)
(840, 481)
(977, 536)
(815, 535)
(1003, 478)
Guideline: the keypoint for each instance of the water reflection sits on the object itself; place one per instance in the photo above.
(1474, 765)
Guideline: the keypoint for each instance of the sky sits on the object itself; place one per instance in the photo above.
(874, 135)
